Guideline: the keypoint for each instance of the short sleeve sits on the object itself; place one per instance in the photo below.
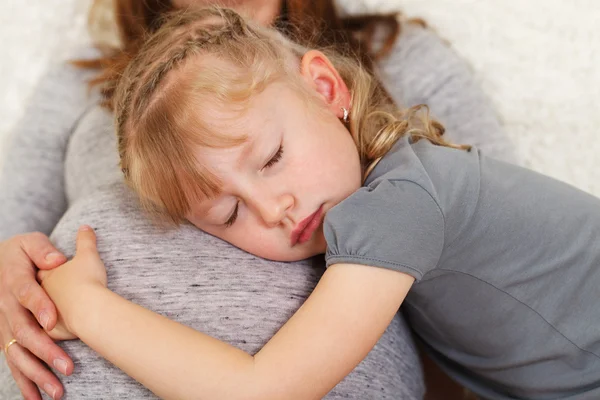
(394, 224)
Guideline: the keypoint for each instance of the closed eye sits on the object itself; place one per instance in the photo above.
(233, 216)
(275, 159)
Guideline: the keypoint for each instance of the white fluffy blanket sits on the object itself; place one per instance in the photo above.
(537, 61)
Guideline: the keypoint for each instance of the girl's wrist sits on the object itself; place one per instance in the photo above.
(82, 310)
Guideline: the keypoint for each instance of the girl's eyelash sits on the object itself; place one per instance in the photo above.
(275, 159)
(233, 216)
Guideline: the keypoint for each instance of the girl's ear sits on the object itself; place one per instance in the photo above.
(322, 76)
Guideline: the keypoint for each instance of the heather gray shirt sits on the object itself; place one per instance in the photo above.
(506, 261)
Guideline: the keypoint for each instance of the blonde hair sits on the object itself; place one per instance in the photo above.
(222, 59)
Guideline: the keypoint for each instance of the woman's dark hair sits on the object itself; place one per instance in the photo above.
(316, 21)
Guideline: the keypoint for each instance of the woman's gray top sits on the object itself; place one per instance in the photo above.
(61, 170)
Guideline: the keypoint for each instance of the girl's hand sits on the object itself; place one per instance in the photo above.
(70, 282)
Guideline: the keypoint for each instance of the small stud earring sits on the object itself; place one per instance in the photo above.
(346, 116)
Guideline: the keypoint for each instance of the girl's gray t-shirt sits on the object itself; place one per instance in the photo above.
(506, 261)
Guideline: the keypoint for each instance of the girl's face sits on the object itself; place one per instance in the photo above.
(295, 166)
(262, 11)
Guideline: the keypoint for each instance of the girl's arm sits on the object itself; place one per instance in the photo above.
(327, 337)
(32, 168)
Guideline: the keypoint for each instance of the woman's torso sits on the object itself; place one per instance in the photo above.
(91, 161)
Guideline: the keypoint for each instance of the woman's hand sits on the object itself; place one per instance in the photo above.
(24, 306)
(70, 282)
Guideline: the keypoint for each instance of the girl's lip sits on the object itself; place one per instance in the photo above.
(305, 229)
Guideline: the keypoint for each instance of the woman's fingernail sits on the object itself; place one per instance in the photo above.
(51, 257)
(85, 228)
(44, 319)
(51, 390)
(60, 365)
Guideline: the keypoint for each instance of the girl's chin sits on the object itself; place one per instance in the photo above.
(294, 255)
(306, 253)
(284, 252)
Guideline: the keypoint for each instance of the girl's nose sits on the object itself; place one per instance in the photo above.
(274, 210)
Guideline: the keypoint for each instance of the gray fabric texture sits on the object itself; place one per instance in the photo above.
(63, 157)
(32, 187)
(507, 263)
(205, 283)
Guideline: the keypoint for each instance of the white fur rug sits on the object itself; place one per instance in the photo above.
(538, 62)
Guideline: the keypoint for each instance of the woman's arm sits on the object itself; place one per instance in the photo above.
(423, 69)
(32, 198)
(32, 171)
(330, 334)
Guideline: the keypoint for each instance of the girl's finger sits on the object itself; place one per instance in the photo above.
(86, 240)
(41, 275)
